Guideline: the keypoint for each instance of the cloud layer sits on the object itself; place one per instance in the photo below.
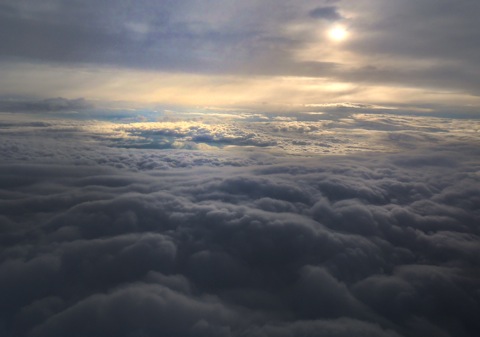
(249, 240)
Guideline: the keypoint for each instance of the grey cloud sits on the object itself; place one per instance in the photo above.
(445, 75)
(328, 13)
(440, 32)
(318, 293)
(411, 23)
(141, 309)
(224, 245)
(245, 242)
(46, 105)
(402, 290)
(328, 328)
(250, 38)
(167, 35)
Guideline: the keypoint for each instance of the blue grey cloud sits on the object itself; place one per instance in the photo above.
(48, 105)
(196, 243)
(329, 13)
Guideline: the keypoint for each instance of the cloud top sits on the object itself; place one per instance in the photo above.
(115, 241)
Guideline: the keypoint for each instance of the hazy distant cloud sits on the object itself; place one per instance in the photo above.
(46, 105)
(201, 137)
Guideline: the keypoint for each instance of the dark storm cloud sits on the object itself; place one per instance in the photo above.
(94, 243)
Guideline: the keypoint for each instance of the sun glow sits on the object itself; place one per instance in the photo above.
(338, 33)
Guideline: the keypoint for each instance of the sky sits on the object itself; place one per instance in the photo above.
(239, 168)
(244, 54)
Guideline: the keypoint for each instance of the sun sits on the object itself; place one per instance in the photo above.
(338, 33)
